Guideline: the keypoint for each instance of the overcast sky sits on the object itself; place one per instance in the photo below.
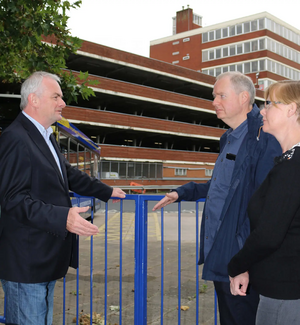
(130, 25)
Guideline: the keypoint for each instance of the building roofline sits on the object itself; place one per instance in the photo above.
(202, 30)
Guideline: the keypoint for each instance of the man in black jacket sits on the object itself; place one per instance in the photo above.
(38, 225)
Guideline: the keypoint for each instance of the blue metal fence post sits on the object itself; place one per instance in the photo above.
(140, 252)
(91, 264)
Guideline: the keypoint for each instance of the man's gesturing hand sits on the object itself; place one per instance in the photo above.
(77, 225)
(169, 198)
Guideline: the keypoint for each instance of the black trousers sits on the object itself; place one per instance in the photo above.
(236, 310)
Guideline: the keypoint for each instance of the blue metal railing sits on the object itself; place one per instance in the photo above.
(140, 261)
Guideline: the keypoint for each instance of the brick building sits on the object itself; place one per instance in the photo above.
(261, 46)
(153, 120)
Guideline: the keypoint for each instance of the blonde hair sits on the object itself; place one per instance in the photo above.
(286, 92)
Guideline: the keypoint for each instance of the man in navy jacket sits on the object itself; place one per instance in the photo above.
(246, 156)
(38, 225)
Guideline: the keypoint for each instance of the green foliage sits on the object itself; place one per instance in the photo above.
(24, 24)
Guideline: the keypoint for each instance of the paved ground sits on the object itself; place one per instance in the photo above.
(170, 297)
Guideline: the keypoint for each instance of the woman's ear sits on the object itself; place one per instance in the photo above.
(292, 109)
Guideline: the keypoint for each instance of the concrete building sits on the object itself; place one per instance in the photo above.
(261, 46)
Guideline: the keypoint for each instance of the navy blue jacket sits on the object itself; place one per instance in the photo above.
(254, 160)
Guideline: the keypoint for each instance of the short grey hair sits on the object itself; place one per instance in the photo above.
(240, 83)
(33, 85)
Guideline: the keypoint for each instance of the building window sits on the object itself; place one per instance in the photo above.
(253, 25)
(232, 50)
(232, 30)
(175, 62)
(175, 43)
(262, 44)
(261, 23)
(239, 48)
(247, 27)
(204, 37)
(208, 172)
(239, 29)
(247, 67)
(225, 32)
(225, 52)
(246, 47)
(180, 171)
(254, 45)
(187, 57)
(218, 33)
(175, 53)
(187, 39)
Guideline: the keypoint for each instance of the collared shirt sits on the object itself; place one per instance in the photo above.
(220, 183)
(46, 135)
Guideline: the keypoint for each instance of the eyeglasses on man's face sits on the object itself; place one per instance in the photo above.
(269, 103)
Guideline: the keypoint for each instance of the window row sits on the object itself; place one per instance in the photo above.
(234, 49)
(251, 46)
(283, 50)
(256, 66)
(251, 26)
(229, 31)
(130, 169)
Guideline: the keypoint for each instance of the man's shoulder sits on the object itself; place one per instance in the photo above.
(15, 130)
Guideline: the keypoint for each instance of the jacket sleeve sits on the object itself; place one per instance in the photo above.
(83, 184)
(281, 203)
(192, 191)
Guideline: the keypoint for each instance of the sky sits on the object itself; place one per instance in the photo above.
(130, 25)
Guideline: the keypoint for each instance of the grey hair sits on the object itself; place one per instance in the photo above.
(240, 83)
(33, 85)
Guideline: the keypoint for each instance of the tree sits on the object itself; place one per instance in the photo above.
(34, 36)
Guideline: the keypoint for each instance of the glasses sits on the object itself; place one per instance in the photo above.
(268, 103)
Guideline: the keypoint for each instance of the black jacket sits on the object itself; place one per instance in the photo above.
(34, 243)
(271, 253)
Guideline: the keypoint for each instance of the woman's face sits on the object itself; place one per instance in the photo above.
(274, 116)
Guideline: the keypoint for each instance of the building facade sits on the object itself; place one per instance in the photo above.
(153, 120)
(261, 46)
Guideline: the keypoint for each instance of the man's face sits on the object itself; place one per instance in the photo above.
(226, 102)
(50, 102)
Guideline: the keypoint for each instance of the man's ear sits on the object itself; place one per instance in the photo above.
(32, 99)
(244, 97)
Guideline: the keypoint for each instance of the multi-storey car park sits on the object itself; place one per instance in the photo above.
(154, 120)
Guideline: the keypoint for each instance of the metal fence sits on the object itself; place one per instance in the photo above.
(141, 261)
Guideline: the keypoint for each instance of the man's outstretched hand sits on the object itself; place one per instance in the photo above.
(78, 225)
(169, 198)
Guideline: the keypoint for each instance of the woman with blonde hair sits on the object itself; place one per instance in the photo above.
(270, 258)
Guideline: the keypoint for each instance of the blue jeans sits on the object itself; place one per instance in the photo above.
(29, 303)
